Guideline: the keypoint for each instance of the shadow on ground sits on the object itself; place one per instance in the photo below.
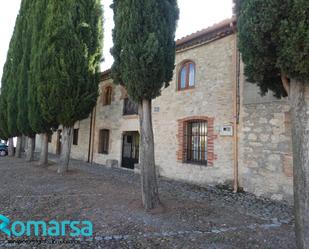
(191, 217)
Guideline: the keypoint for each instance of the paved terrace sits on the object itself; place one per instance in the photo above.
(191, 217)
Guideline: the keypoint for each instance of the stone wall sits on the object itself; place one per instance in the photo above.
(265, 161)
(212, 97)
(51, 145)
(265, 145)
(111, 117)
(80, 151)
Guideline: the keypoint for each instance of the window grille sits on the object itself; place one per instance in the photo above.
(196, 142)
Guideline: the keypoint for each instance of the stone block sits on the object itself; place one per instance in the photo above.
(288, 165)
(252, 137)
(112, 163)
(137, 169)
(277, 197)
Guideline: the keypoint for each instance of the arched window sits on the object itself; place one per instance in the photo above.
(107, 95)
(186, 77)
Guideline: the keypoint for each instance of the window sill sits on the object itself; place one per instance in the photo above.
(190, 89)
(132, 116)
(204, 164)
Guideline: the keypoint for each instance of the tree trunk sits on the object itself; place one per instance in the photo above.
(44, 150)
(150, 195)
(299, 98)
(11, 147)
(30, 149)
(65, 149)
(23, 143)
(18, 147)
(26, 143)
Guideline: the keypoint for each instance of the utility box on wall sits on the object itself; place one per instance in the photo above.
(226, 130)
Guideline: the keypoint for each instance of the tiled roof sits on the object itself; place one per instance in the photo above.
(211, 33)
(216, 31)
(105, 75)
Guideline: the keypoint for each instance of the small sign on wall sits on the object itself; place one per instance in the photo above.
(156, 109)
(226, 130)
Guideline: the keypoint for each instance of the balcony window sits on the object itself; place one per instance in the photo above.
(130, 107)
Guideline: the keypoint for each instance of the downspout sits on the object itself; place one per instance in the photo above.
(93, 133)
(236, 59)
(90, 137)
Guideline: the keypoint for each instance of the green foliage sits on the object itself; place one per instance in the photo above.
(144, 46)
(236, 7)
(70, 55)
(22, 77)
(13, 103)
(4, 132)
(38, 123)
(9, 79)
(294, 35)
(6, 76)
(273, 40)
(52, 70)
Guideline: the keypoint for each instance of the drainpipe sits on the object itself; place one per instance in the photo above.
(90, 137)
(236, 62)
(93, 133)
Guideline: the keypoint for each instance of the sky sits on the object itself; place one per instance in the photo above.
(194, 15)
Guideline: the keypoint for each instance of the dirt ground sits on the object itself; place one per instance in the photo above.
(190, 216)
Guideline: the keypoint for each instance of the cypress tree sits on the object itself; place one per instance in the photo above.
(70, 58)
(144, 53)
(22, 78)
(274, 42)
(13, 79)
(4, 132)
(36, 120)
(9, 84)
(3, 124)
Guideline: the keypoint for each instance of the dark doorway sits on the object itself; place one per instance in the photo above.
(59, 140)
(130, 149)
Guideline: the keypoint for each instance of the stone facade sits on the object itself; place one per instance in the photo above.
(266, 166)
(264, 148)
(212, 97)
(111, 117)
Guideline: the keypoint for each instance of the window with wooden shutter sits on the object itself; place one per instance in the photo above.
(130, 107)
(107, 95)
(104, 141)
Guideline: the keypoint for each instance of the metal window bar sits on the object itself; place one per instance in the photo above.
(196, 142)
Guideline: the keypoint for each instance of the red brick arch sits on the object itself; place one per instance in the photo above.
(182, 124)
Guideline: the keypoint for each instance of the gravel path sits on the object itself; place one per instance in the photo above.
(190, 216)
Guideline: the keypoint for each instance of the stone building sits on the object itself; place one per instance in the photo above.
(210, 125)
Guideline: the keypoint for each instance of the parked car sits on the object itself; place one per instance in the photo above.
(3, 149)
